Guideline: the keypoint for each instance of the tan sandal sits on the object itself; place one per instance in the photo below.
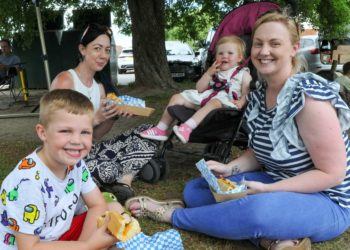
(157, 215)
(304, 244)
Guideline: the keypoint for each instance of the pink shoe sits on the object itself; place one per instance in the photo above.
(155, 134)
(183, 132)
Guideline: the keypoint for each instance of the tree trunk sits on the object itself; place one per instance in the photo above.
(148, 41)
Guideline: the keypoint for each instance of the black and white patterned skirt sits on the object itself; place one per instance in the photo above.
(122, 155)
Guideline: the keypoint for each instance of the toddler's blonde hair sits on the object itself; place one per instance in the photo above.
(241, 47)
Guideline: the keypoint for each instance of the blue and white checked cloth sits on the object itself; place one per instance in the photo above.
(167, 240)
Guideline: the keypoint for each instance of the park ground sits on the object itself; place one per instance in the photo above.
(18, 138)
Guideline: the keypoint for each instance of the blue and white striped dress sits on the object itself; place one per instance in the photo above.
(274, 135)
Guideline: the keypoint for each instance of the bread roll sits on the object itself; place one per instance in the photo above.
(122, 227)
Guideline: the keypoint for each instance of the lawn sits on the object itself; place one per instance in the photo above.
(182, 169)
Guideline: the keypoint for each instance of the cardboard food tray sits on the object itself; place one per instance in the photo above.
(225, 197)
(136, 110)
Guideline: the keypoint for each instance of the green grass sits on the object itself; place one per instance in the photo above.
(12, 152)
(182, 170)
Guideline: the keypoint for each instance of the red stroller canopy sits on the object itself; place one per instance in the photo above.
(240, 21)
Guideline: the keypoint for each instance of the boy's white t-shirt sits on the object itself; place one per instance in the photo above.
(34, 201)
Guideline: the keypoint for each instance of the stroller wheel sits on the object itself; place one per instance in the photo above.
(164, 169)
(150, 172)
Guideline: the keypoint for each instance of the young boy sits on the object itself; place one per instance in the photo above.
(41, 205)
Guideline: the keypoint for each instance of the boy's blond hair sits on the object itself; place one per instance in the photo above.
(241, 47)
(64, 99)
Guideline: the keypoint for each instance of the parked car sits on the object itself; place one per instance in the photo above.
(125, 61)
(183, 62)
(204, 60)
(205, 63)
(317, 53)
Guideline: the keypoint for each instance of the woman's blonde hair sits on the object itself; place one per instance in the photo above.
(241, 47)
(64, 99)
(292, 26)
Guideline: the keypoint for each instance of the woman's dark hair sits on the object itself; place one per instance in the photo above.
(103, 78)
(92, 31)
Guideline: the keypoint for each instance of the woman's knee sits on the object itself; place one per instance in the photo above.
(196, 193)
(255, 213)
(191, 187)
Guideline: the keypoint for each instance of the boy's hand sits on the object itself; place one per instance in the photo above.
(101, 238)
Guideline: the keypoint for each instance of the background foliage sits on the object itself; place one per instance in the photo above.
(186, 20)
(154, 21)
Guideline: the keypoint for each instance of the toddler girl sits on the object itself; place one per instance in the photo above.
(225, 84)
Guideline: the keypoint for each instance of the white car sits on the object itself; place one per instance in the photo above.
(317, 54)
(125, 61)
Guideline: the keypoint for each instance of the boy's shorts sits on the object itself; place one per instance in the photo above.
(75, 229)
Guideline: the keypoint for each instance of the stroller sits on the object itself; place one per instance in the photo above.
(222, 128)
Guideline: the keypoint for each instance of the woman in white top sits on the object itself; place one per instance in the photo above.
(113, 163)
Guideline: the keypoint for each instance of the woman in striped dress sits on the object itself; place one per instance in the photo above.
(297, 167)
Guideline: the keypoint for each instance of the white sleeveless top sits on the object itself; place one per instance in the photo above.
(93, 93)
